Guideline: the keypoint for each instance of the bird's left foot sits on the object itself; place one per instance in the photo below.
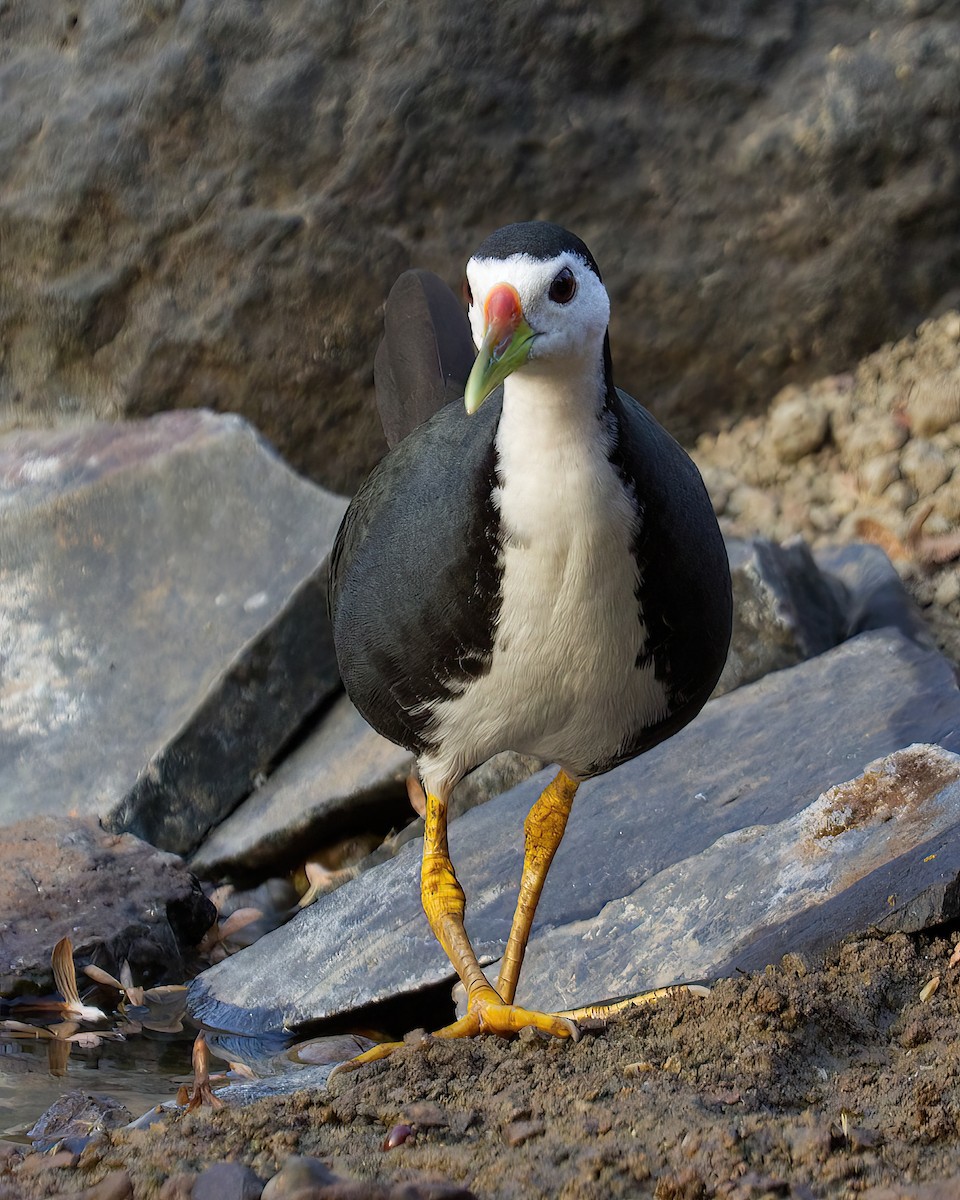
(486, 1013)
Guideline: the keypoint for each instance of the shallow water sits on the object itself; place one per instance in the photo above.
(139, 1073)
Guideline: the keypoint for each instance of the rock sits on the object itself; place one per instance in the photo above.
(117, 1185)
(114, 896)
(206, 207)
(761, 753)
(870, 593)
(76, 1113)
(798, 427)
(342, 780)
(853, 859)
(941, 1189)
(925, 465)
(300, 1171)
(343, 777)
(161, 617)
(227, 1181)
(785, 610)
(886, 475)
(934, 403)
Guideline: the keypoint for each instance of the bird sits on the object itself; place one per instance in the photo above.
(534, 565)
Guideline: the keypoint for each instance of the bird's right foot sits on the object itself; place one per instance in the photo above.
(486, 1013)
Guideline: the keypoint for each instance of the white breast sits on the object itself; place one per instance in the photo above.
(563, 682)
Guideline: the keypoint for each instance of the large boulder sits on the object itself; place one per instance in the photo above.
(162, 620)
(205, 203)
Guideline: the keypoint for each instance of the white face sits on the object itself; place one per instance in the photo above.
(564, 330)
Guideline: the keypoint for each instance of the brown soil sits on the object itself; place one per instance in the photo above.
(802, 1081)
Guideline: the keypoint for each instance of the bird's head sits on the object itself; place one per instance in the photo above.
(536, 302)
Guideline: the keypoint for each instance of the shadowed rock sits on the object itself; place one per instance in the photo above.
(162, 623)
(340, 777)
(758, 755)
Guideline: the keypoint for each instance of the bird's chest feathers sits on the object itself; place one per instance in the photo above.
(567, 525)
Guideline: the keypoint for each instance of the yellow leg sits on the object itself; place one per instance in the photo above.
(443, 902)
(543, 832)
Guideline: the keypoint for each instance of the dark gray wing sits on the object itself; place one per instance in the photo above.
(415, 573)
(685, 600)
(425, 356)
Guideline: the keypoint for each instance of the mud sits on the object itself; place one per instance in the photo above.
(805, 1081)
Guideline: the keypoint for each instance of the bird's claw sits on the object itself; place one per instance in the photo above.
(487, 1013)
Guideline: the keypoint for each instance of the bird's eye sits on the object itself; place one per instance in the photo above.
(467, 293)
(564, 287)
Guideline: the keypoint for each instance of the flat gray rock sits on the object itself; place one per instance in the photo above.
(342, 773)
(756, 756)
(856, 857)
(162, 624)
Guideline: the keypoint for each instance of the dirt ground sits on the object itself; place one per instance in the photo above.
(805, 1081)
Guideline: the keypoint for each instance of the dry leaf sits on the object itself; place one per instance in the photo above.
(929, 989)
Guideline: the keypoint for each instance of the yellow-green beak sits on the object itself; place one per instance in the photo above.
(507, 339)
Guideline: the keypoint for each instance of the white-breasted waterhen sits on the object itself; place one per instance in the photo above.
(535, 567)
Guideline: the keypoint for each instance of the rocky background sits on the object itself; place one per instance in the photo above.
(204, 203)
(202, 207)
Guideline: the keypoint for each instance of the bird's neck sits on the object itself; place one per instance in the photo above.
(555, 402)
(553, 446)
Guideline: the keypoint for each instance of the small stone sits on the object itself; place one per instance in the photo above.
(900, 495)
(115, 1186)
(518, 1132)
(947, 591)
(947, 500)
(299, 1173)
(934, 404)
(426, 1114)
(798, 427)
(34, 1164)
(178, 1187)
(227, 1181)
(399, 1135)
(878, 473)
(925, 465)
(874, 435)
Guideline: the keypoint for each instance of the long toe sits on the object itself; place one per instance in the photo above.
(374, 1054)
(488, 1014)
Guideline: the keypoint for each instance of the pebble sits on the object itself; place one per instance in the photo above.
(299, 1173)
(115, 1186)
(798, 426)
(227, 1181)
(878, 473)
(872, 435)
(925, 465)
(518, 1132)
(934, 404)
